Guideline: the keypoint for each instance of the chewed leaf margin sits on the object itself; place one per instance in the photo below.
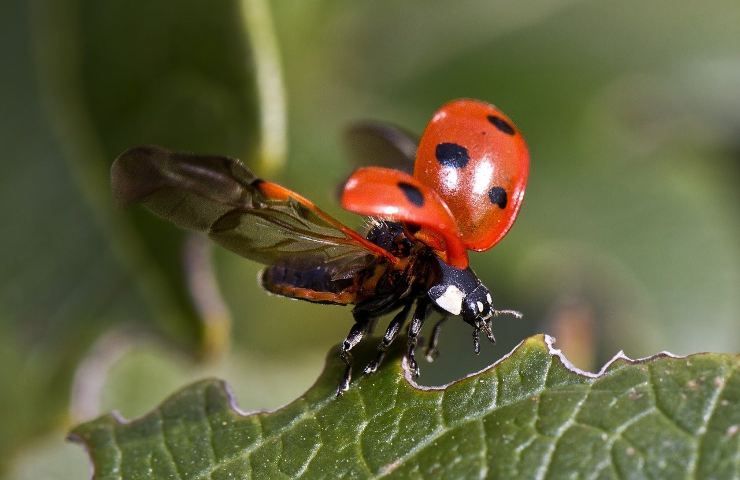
(530, 414)
(549, 341)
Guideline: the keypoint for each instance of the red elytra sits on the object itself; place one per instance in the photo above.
(476, 160)
(396, 195)
(470, 174)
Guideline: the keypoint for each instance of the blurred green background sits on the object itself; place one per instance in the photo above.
(629, 237)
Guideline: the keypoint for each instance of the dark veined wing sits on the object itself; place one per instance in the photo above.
(259, 220)
(372, 143)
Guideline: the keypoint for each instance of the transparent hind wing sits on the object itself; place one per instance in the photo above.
(219, 196)
(372, 143)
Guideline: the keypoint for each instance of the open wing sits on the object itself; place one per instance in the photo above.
(372, 143)
(256, 219)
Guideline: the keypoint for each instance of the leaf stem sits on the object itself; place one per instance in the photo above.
(257, 21)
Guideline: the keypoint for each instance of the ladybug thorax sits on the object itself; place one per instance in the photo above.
(478, 163)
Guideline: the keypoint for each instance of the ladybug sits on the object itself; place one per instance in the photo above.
(460, 189)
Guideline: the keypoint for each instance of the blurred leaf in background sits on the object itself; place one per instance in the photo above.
(629, 237)
(89, 79)
(122, 75)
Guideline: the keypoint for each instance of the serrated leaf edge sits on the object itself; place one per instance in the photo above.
(555, 352)
(548, 340)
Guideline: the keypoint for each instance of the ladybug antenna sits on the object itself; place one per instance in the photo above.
(513, 313)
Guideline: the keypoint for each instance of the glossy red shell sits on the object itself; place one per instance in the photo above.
(396, 195)
(477, 161)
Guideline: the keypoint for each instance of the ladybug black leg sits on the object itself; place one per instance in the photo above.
(487, 329)
(371, 325)
(390, 336)
(432, 352)
(355, 336)
(476, 339)
(417, 321)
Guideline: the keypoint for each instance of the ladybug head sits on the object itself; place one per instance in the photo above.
(460, 292)
(477, 305)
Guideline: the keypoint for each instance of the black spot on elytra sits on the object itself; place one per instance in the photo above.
(501, 124)
(452, 155)
(412, 193)
(498, 196)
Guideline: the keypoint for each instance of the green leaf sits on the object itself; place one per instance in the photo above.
(530, 415)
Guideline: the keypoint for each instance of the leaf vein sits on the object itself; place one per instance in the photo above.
(209, 432)
(166, 445)
(483, 450)
(434, 435)
(707, 416)
(312, 454)
(276, 435)
(547, 460)
(119, 454)
(617, 434)
(659, 408)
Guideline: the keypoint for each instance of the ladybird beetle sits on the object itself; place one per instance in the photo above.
(459, 190)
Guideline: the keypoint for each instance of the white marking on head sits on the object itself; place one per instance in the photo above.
(451, 300)
(480, 306)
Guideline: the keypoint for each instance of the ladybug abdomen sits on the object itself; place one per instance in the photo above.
(314, 284)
